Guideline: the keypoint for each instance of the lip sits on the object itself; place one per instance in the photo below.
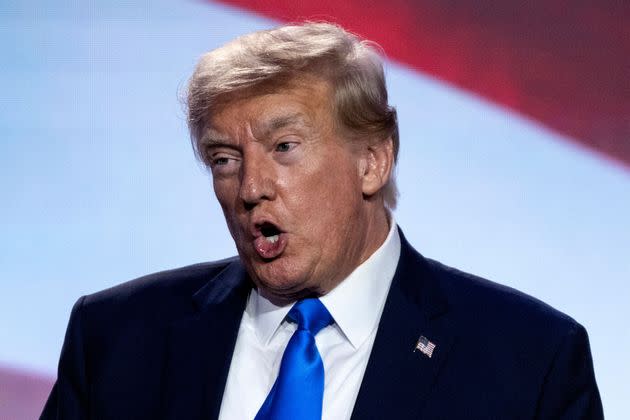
(265, 249)
(269, 251)
(257, 223)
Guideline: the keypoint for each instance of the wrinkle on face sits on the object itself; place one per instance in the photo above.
(278, 155)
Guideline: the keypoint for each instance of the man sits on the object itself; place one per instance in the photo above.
(327, 312)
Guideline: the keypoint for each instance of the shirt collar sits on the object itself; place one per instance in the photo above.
(355, 304)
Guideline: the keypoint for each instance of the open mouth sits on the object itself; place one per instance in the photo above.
(270, 232)
(271, 241)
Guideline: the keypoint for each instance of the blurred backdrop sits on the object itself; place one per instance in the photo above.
(514, 165)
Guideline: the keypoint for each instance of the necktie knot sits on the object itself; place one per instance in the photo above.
(311, 315)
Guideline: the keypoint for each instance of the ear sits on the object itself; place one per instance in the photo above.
(376, 166)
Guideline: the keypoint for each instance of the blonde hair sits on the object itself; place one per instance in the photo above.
(353, 67)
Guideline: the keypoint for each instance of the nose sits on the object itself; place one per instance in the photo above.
(257, 181)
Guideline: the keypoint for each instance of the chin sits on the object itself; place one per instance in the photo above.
(282, 294)
(280, 281)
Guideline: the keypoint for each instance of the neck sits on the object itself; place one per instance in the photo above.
(375, 230)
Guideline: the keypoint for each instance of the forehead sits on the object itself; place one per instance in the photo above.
(304, 100)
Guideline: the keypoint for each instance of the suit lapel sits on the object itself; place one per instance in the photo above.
(200, 347)
(397, 380)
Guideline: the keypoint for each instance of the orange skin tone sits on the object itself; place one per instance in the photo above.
(276, 155)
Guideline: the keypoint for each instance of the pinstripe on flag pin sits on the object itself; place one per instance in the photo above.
(425, 346)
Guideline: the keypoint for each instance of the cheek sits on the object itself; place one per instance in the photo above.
(223, 192)
(330, 197)
(227, 200)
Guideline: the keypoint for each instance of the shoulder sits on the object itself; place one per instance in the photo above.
(528, 355)
(160, 295)
(501, 315)
(471, 293)
(164, 283)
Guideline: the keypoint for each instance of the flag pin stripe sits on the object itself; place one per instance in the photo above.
(425, 346)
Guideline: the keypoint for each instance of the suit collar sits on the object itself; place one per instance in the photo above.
(397, 380)
(416, 280)
(200, 346)
(355, 303)
(231, 283)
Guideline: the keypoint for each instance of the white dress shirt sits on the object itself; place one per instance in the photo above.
(356, 305)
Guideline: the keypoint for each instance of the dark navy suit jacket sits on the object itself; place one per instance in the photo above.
(160, 347)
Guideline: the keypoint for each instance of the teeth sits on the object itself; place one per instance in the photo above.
(273, 239)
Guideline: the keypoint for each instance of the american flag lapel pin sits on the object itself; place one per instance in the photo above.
(425, 346)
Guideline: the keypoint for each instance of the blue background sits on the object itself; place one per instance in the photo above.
(98, 183)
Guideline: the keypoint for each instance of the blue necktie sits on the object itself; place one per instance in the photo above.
(299, 389)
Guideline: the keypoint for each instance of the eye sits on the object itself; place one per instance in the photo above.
(285, 146)
(220, 161)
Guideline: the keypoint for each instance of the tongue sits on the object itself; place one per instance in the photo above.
(267, 249)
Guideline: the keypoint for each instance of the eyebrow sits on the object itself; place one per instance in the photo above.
(214, 139)
(212, 142)
(283, 121)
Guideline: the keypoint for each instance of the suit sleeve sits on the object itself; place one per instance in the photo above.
(68, 398)
(570, 390)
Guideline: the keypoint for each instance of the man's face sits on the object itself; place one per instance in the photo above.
(291, 189)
